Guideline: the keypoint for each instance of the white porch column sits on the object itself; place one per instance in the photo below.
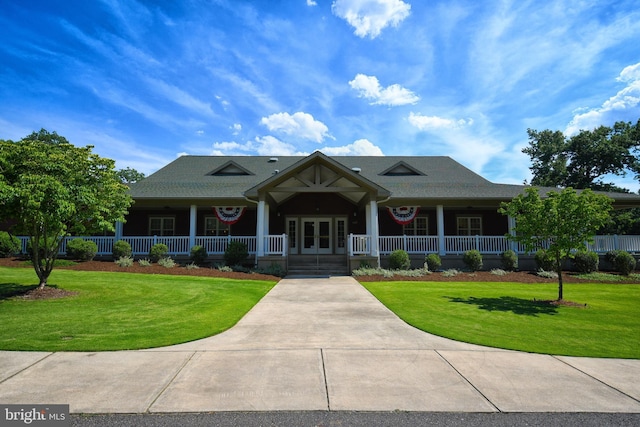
(511, 224)
(260, 226)
(373, 229)
(193, 221)
(118, 231)
(440, 221)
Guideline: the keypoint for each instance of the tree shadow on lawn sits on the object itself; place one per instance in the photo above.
(10, 290)
(515, 305)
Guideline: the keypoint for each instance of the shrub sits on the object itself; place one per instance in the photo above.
(433, 262)
(274, 270)
(544, 261)
(547, 274)
(166, 262)
(124, 261)
(121, 249)
(81, 250)
(451, 272)
(236, 253)
(473, 260)
(159, 250)
(623, 262)
(9, 245)
(499, 272)
(399, 260)
(509, 260)
(586, 261)
(144, 262)
(198, 255)
(192, 266)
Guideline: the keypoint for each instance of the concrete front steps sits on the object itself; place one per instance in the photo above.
(318, 265)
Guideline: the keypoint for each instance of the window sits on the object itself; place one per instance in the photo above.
(417, 227)
(469, 226)
(213, 227)
(161, 226)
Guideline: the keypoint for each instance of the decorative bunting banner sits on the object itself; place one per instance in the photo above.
(404, 214)
(229, 214)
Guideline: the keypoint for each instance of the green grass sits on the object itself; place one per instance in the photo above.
(505, 315)
(118, 311)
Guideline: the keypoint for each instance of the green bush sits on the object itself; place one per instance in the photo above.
(158, 251)
(121, 249)
(433, 262)
(586, 261)
(473, 260)
(236, 254)
(81, 250)
(623, 262)
(509, 260)
(399, 260)
(198, 255)
(167, 262)
(545, 261)
(9, 245)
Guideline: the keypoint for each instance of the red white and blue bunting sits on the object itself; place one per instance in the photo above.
(229, 214)
(404, 214)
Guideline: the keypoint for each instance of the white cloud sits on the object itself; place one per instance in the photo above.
(361, 147)
(370, 17)
(272, 146)
(311, 3)
(300, 125)
(394, 95)
(427, 123)
(623, 106)
(237, 127)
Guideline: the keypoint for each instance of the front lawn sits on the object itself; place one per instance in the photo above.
(118, 311)
(519, 317)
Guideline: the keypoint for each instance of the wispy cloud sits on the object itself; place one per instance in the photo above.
(370, 17)
(299, 125)
(623, 106)
(361, 147)
(369, 87)
(430, 123)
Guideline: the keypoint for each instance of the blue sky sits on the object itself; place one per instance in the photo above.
(146, 81)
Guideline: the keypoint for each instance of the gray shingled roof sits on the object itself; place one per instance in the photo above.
(188, 177)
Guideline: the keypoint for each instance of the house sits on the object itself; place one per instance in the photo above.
(327, 213)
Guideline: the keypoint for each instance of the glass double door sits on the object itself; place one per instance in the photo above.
(317, 236)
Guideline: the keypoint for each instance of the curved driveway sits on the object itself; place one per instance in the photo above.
(320, 344)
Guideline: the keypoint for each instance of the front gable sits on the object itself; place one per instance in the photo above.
(318, 173)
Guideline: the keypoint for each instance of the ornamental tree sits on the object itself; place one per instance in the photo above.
(51, 189)
(561, 222)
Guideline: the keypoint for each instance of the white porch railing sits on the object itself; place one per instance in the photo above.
(359, 244)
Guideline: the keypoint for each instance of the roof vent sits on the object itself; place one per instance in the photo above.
(356, 170)
(273, 159)
(276, 171)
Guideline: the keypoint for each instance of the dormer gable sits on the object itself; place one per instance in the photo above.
(230, 168)
(402, 169)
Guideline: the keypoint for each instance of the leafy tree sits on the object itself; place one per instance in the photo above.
(583, 160)
(52, 189)
(129, 176)
(562, 221)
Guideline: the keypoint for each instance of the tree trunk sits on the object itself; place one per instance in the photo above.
(560, 290)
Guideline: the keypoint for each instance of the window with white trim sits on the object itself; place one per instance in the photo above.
(214, 227)
(162, 225)
(418, 227)
(469, 225)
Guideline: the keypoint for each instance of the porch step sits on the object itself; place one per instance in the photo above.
(312, 265)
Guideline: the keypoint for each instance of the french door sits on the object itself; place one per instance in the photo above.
(317, 236)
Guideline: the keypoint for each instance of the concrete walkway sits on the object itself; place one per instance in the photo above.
(320, 344)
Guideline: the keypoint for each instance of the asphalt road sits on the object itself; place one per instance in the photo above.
(356, 419)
